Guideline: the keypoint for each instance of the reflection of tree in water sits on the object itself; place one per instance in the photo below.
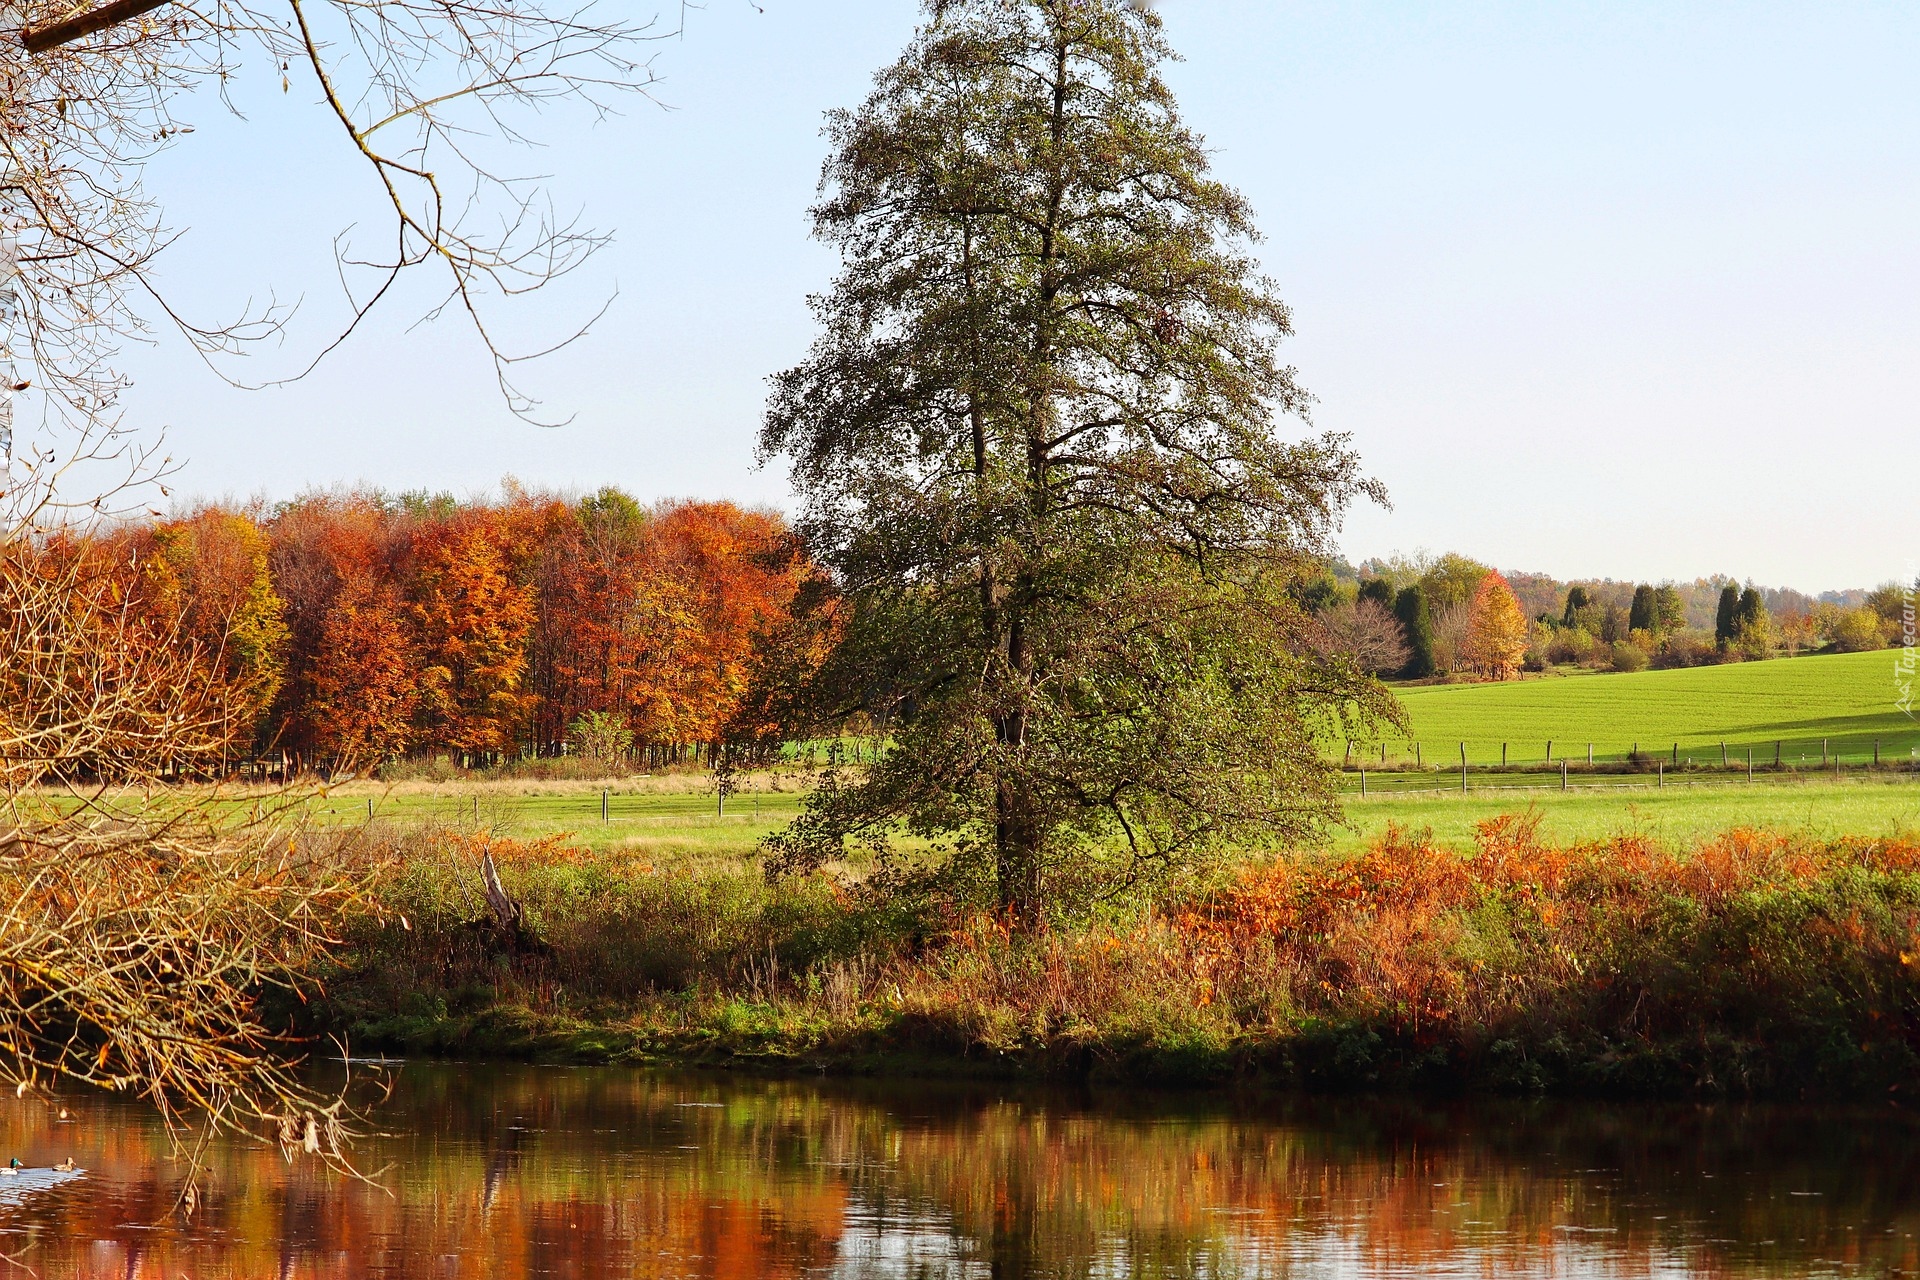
(503, 1154)
(499, 1173)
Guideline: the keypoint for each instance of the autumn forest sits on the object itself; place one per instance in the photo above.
(342, 630)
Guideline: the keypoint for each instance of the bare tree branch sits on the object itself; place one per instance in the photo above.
(430, 95)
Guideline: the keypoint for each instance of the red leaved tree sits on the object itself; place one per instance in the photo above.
(353, 686)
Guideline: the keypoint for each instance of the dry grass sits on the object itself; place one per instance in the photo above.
(1750, 962)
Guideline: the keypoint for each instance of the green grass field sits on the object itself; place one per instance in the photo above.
(679, 827)
(1676, 815)
(674, 819)
(1846, 701)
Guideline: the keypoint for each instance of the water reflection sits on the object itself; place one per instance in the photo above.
(504, 1172)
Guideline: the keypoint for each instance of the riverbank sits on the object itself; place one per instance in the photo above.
(1749, 964)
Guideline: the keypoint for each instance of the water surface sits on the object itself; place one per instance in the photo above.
(503, 1172)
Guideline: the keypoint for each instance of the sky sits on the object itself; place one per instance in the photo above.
(1622, 290)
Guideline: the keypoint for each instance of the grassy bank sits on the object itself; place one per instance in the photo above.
(1748, 963)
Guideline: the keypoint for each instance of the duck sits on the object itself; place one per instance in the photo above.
(13, 1168)
(65, 1166)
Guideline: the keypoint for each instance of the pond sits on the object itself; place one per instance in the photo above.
(500, 1172)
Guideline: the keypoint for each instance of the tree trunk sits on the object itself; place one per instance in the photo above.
(1017, 859)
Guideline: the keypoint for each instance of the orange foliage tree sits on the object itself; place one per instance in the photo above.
(353, 670)
(660, 616)
(1496, 630)
(474, 612)
(612, 623)
(353, 628)
(744, 568)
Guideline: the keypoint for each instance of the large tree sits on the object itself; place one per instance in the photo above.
(1036, 440)
(1496, 640)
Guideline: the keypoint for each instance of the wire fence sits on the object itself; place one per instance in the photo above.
(1642, 774)
(1800, 751)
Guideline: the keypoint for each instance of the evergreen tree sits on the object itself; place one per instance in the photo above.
(1378, 590)
(1640, 615)
(1726, 619)
(1750, 615)
(1577, 601)
(1410, 606)
(1036, 444)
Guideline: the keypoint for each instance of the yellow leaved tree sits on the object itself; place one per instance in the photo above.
(1496, 630)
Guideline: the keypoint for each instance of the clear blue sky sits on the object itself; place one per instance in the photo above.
(1616, 289)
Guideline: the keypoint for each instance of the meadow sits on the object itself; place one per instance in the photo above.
(1843, 704)
(672, 821)
(1828, 708)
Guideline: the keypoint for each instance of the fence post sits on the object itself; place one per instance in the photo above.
(1563, 775)
(1676, 755)
(1463, 768)
(1723, 755)
(1589, 755)
(1776, 753)
(1363, 782)
(1418, 763)
(603, 804)
(1503, 755)
(1549, 750)
(1749, 764)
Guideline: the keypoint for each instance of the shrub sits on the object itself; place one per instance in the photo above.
(1857, 631)
(1693, 647)
(1570, 644)
(601, 735)
(1540, 638)
(1629, 657)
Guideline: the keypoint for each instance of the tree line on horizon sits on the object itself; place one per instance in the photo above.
(1427, 617)
(348, 630)
(344, 630)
